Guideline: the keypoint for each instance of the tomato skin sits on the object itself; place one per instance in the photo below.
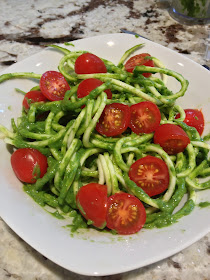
(125, 214)
(194, 118)
(151, 174)
(172, 138)
(114, 120)
(29, 164)
(92, 202)
(137, 60)
(53, 85)
(88, 63)
(31, 97)
(86, 86)
(145, 117)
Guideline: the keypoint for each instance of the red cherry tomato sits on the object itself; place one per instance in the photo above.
(86, 86)
(151, 174)
(31, 97)
(92, 202)
(145, 117)
(53, 85)
(88, 63)
(29, 164)
(114, 120)
(172, 138)
(137, 60)
(126, 214)
(194, 118)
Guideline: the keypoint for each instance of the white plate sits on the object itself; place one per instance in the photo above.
(93, 253)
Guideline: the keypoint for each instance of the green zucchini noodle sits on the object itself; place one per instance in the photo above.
(77, 154)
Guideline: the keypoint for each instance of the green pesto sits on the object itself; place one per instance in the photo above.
(69, 177)
(37, 196)
(171, 205)
(40, 183)
(81, 209)
(54, 106)
(57, 215)
(89, 222)
(185, 210)
(69, 44)
(36, 172)
(78, 222)
(37, 126)
(70, 196)
(163, 220)
(69, 106)
(166, 219)
(35, 88)
(41, 197)
(191, 131)
(20, 90)
(206, 137)
(8, 76)
(64, 50)
(14, 126)
(204, 204)
(44, 199)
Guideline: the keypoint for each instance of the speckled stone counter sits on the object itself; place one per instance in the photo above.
(25, 27)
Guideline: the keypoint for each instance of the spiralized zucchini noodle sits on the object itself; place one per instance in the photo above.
(78, 154)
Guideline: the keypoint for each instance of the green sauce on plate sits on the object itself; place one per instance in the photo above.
(204, 204)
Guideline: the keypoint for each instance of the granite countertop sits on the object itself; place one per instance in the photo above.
(26, 26)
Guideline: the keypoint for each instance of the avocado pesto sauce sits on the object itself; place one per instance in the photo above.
(43, 200)
(167, 219)
(206, 137)
(158, 220)
(204, 204)
(66, 133)
(57, 215)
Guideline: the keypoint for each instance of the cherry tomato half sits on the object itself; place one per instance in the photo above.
(88, 63)
(126, 214)
(53, 85)
(29, 164)
(194, 118)
(151, 174)
(145, 117)
(92, 203)
(172, 138)
(137, 60)
(114, 120)
(31, 97)
(86, 86)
